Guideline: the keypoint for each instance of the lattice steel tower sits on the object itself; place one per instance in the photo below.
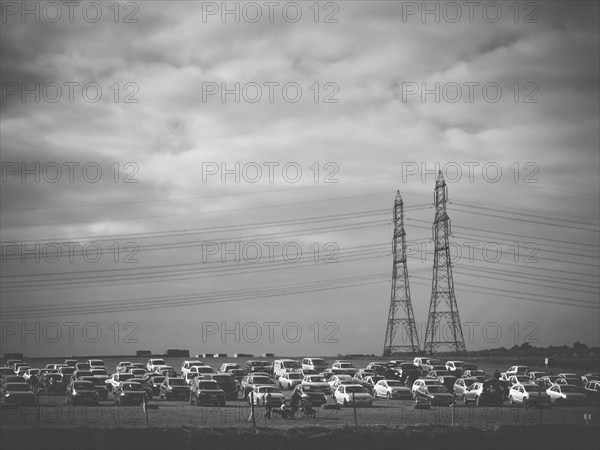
(400, 301)
(442, 309)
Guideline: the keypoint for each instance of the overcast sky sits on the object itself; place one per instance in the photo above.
(144, 107)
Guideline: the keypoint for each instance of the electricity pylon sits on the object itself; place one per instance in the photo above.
(443, 309)
(400, 301)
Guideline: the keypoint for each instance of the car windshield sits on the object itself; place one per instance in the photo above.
(84, 386)
(132, 387)
(346, 366)
(355, 390)
(177, 382)
(291, 364)
(295, 376)
(268, 389)
(262, 380)
(531, 388)
(237, 372)
(522, 378)
(568, 389)
(158, 362)
(125, 376)
(95, 381)
(223, 378)
(67, 370)
(210, 385)
(437, 389)
(158, 380)
(316, 379)
(17, 387)
(394, 383)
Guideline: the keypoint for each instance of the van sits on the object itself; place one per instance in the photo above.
(281, 366)
(318, 364)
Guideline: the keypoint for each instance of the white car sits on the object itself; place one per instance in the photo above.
(423, 382)
(96, 364)
(336, 380)
(317, 382)
(154, 363)
(517, 370)
(226, 367)
(518, 379)
(187, 365)
(260, 392)
(565, 394)
(528, 395)
(391, 389)
(123, 366)
(318, 364)
(455, 366)
(290, 380)
(348, 394)
(200, 370)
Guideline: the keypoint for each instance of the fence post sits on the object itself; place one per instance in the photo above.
(354, 407)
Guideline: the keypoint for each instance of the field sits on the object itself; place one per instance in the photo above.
(54, 418)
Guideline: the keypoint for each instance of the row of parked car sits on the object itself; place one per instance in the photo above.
(425, 380)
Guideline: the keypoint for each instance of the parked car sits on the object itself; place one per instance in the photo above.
(99, 385)
(318, 364)
(447, 381)
(154, 383)
(204, 392)
(250, 381)
(353, 394)
(96, 364)
(18, 394)
(129, 393)
(536, 375)
(145, 385)
(528, 395)
(281, 366)
(378, 367)
(187, 365)
(123, 366)
(336, 380)
(227, 367)
(566, 394)
(423, 382)
(115, 380)
(29, 372)
(82, 392)
(475, 373)
(307, 392)
(154, 363)
(52, 384)
(484, 393)
(574, 381)
(289, 380)
(518, 379)
(590, 377)
(174, 388)
(70, 362)
(517, 370)
(260, 394)
(461, 385)
(592, 390)
(427, 364)
(434, 395)
(253, 365)
(361, 374)
(391, 389)
(21, 369)
(456, 368)
(346, 366)
(226, 382)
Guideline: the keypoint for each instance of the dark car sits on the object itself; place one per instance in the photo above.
(174, 388)
(66, 373)
(312, 393)
(225, 382)
(99, 384)
(129, 393)
(70, 362)
(203, 392)
(434, 395)
(52, 384)
(154, 383)
(144, 383)
(258, 366)
(82, 392)
(18, 394)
